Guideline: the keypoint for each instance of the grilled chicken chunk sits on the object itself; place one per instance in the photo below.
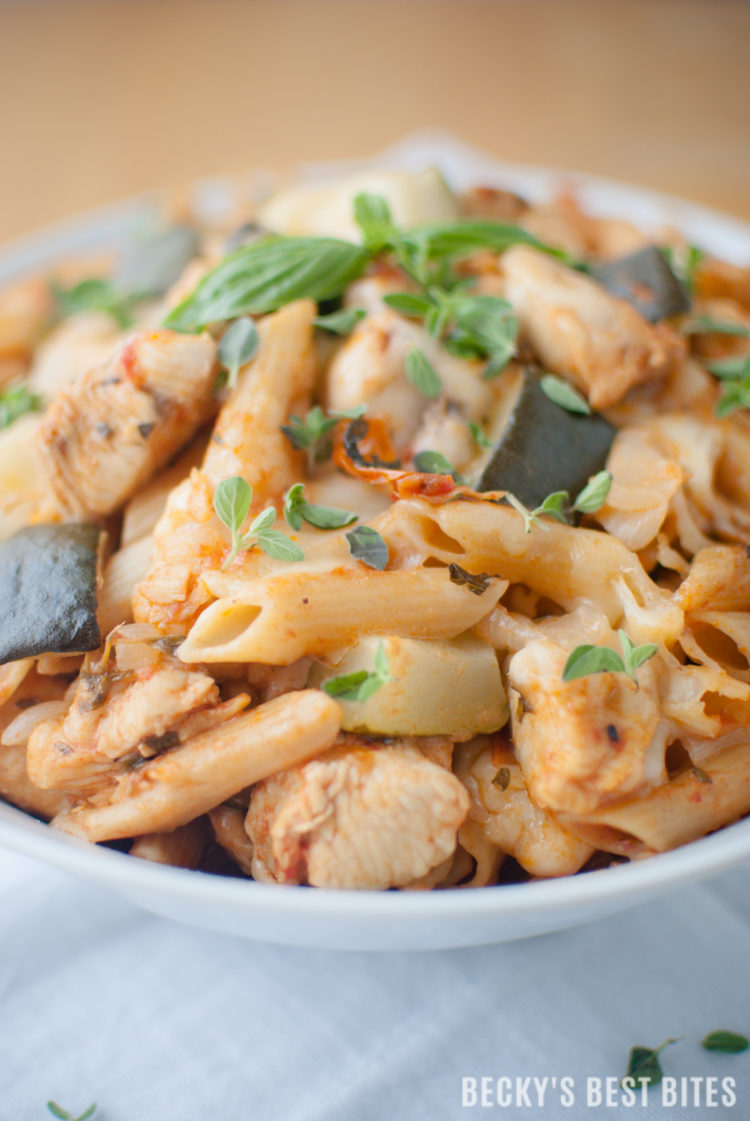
(363, 817)
(585, 742)
(577, 329)
(106, 435)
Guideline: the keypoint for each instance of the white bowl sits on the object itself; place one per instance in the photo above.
(385, 920)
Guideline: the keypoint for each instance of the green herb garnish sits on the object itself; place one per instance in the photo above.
(373, 216)
(312, 433)
(360, 685)
(297, 509)
(340, 322)
(423, 375)
(734, 373)
(502, 778)
(238, 345)
(435, 463)
(95, 294)
(727, 1042)
(587, 659)
(16, 401)
(268, 274)
(476, 582)
(232, 500)
(479, 437)
(367, 545)
(564, 395)
(594, 494)
(684, 263)
(644, 1065)
(705, 325)
(64, 1115)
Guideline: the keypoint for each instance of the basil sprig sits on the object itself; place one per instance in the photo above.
(588, 659)
(361, 684)
(15, 401)
(422, 374)
(340, 322)
(297, 509)
(268, 274)
(232, 500)
(274, 270)
(564, 395)
(435, 463)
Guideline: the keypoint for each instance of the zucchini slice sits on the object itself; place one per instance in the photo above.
(646, 281)
(541, 447)
(48, 591)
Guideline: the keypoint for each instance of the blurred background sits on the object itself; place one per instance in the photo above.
(103, 98)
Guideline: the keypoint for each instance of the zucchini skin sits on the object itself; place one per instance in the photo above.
(646, 281)
(48, 591)
(545, 448)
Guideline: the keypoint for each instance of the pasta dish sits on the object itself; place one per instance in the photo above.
(393, 538)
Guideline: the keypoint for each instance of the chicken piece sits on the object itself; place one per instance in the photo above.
(117, 713)
(369, 369)
(25, 690)
(79, 343)
(177, 786)
(247, 441)
(228, 824)
(368, 816)
(577, 329)
(107, 434)
(504, 814)
(25, 312)
(182, 847)
(586, 742)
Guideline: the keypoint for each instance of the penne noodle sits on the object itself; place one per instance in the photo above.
(176, 787)
(289, 615)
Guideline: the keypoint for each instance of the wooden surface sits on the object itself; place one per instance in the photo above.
(101, 99)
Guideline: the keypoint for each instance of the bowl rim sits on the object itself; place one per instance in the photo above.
(729, 846)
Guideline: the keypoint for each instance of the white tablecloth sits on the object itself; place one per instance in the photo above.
(159, 1022)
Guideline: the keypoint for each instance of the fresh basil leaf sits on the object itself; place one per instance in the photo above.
(634, 656)
(478, 436)
(423, 375)
(684, 263)
(381, 662)
(588, 659)
(16, 401)
(644, 1065)
(279, 546)
(500, 357)
(340, 322)
(736, 366)
(727, 1042)
(367, 545)
(734, 395)
(705, 325)
(313, 433)
(563, 394)
(594, 494)
(232, 501)
(94, 294)
(238, 345)
(268, 274)
(459, 238)
(149, 265)
(373, 216)
(476, 582)
(408, 303)
(487, 320)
